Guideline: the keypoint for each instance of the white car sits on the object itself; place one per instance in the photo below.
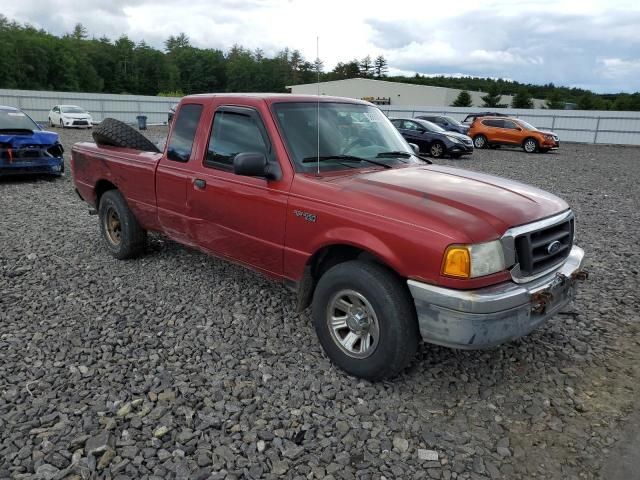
(66, 116)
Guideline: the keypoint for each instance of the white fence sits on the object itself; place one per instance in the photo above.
(584, 126)
(622, 128)
(123, 107)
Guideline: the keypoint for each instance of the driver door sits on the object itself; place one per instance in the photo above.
(238, 217)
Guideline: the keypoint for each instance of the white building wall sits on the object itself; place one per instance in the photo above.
(401, 94)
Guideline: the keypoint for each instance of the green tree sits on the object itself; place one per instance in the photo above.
(493, 97)
(79, 32)
(345, 70)
(174, 42)
(380, 67)
(554, 100)
(366, 67)
(522, 99)
(463, 100)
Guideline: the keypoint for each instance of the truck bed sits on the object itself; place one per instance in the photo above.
(95, 168)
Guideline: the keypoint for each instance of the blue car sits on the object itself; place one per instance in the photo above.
(25, 148)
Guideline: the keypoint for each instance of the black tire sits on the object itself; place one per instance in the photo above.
(128, 239)
(118, 134)
(62, 125)
(393, 310)
(480, 141)
(437, 149)
(530, 145)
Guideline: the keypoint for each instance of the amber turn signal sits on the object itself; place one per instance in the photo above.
(457, 262)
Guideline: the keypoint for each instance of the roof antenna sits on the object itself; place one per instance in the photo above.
(318, 105)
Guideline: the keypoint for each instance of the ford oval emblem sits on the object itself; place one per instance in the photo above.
(553, 247)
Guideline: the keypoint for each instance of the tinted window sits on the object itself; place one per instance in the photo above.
(397, 123)
(233, 133)
(493, 123)
(184, 132)
(410, 125)
(509, 124)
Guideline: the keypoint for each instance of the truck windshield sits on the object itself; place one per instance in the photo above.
(347, 132)
(16, 120)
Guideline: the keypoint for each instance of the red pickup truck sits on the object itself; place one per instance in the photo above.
(325, 195)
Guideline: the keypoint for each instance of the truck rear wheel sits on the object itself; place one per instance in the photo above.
(120, 229)
(118, 134)
(365, 320)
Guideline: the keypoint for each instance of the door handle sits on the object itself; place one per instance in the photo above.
(199, 183)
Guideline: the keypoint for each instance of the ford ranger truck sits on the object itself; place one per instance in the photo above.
(324, 195)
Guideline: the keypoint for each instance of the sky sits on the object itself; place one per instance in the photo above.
(587, 44)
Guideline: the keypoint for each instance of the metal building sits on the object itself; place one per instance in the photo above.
(394, 93)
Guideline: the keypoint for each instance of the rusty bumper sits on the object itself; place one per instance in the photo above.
(483, 318)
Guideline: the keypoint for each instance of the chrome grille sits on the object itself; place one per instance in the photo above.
(540, 250)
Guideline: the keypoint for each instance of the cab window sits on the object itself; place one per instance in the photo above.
(184, 131)
(232, 133)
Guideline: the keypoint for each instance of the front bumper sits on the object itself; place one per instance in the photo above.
(486, 317)
(47, 165)
(461, 149)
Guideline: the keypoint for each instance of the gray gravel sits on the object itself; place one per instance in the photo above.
(177, 365)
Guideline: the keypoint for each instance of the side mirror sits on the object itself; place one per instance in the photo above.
(251, 164)
(421, 130)
(415, 148)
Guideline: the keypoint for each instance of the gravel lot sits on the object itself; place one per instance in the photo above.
(178, 365)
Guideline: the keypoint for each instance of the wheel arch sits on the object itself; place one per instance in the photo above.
(330, 255)
(102, 186)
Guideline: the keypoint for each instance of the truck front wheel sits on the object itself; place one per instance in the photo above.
(120, 229)
(365, 320)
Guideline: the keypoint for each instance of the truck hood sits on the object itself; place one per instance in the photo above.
(37, 137)
(451, 200)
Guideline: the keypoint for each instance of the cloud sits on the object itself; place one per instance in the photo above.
(568, 42)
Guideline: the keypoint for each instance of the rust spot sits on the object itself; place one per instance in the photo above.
(540, 300)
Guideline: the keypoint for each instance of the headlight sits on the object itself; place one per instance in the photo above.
(470, 261)
(454, 139)
(548, 137)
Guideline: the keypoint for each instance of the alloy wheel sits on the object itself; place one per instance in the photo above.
(353, 324)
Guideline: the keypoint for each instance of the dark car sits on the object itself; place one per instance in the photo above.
(171, 113)
(448, 123)
(468, 120)
(25, 147)
(433, 139)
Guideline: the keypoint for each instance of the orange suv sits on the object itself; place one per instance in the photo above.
(492, 131)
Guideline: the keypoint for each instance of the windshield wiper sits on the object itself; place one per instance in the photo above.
(351, 158)
(400, 153)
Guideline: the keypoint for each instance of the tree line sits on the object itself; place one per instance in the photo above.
(33, 59)
(553, 99)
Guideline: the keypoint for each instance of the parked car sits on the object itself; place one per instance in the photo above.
(472, 116)
(487, 132)
(67, 116)
(448, 123)
(384, 246)
(433, 139)
(25, 147)
(171, 113)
